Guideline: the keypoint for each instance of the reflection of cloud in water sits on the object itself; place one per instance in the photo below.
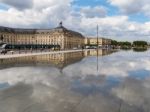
(116, 65)
(79, 87)
(29, 75)
(41, 98)
(39, 90)
(135, 93)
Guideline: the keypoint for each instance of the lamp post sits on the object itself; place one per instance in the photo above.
(32, 46)
(36, 45)
(97, 37)
(19, 45)
(97, 47)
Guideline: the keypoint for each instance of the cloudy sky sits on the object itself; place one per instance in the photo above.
(117, 19)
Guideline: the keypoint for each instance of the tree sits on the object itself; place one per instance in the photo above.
(124, 43)
(140, 43)
(114, 42)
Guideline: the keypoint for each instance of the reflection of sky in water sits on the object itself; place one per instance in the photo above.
(122, 83)
(4, 85)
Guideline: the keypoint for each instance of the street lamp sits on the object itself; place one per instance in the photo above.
(36, 45)
(32, 45)
(19, 45)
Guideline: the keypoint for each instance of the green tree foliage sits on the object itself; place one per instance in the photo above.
(128, 45)
(124, 43)
(114, 42)
(140, 43)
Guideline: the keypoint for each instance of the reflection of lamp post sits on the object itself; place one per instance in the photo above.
(69, 46)
(42, 46)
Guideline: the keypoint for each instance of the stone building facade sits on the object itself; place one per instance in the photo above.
(101, 41)
(30, 38)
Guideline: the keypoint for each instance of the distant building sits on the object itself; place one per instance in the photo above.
(101, 41)
(41, 38)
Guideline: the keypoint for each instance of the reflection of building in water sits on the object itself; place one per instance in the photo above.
(59, 60)
(100, 52)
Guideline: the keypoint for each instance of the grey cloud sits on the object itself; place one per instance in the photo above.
(130, 7)
(90, 12)
(19, 4)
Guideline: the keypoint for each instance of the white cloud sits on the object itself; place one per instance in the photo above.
(116, 26)
(16, 18)
(48, 13)
(43, 14)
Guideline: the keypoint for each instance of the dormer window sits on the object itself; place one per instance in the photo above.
(61, 24)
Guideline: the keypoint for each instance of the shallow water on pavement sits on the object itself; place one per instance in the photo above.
(88, 81)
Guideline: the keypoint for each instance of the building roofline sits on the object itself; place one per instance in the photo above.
(35, 31)
(98, 38)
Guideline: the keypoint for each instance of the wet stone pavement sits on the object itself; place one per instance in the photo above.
(88, 81)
